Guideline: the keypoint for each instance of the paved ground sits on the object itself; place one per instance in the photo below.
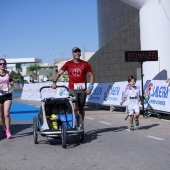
(108, 145)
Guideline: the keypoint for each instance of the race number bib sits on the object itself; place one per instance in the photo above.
(79, 86)
(5, 89)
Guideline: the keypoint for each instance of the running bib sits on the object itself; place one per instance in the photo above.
(79, 86)
(5, 89)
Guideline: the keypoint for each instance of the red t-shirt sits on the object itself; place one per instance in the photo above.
(77, 72)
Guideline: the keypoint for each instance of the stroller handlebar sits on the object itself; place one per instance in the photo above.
(56, 87)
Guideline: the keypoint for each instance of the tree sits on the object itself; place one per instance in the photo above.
(49, 75)
(17, 77)
(34, 70)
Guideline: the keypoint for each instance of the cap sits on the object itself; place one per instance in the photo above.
(76, 49)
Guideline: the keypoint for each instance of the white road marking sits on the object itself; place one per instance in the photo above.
(165, 120)
(105, 123)
(34, 105)
(89, 118)
(153, 137)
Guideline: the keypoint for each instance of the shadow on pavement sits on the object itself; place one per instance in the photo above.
(148, 127)
(92, 135)
(16, 130)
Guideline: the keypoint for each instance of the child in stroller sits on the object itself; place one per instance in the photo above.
(52, 119)
(53, 115)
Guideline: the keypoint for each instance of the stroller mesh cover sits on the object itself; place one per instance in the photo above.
(61, 108)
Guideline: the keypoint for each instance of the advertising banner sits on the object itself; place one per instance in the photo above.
(100, 93)
(156, 93)
(32, 91)
(109, 93)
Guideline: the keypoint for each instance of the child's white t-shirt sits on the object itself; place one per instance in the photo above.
(132, 96)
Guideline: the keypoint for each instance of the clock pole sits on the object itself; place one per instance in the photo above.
(142, 102)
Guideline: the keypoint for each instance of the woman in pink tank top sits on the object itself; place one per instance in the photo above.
(6, 83)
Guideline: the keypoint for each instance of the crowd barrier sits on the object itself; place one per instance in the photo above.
(155, 93)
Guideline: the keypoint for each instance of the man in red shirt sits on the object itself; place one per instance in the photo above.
(77, 70)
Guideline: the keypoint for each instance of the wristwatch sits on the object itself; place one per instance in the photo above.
(54, 81)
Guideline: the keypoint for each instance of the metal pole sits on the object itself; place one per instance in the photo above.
(142, 88)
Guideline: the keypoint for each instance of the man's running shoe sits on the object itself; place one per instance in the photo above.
(132, 128)
(4, 133)
(8, 134)
(136, 122)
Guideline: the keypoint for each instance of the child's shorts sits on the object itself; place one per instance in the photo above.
(133, 111)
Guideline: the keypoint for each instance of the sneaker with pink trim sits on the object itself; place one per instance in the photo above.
(4, 132)
(8, 134)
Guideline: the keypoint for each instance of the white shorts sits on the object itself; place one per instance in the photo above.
(133, 111)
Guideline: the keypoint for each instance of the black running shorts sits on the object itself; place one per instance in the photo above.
(5, 98)
(80, 96)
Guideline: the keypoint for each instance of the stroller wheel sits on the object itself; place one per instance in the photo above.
(35, 130)
(63, 136)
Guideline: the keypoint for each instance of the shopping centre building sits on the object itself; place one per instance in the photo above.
(131, 25)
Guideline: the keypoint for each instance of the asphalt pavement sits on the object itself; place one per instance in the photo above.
(108, 144)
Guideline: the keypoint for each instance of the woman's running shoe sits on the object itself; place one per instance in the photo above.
(8, 134)
(4, 133)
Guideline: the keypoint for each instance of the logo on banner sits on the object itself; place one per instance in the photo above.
(147, 92)
(63, 91)
(106, 94)
(158, 92)
(96, 94)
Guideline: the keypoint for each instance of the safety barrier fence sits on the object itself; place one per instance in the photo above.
(156, 93)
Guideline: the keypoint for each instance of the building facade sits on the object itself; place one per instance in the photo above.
(131, 25)
(118, 31)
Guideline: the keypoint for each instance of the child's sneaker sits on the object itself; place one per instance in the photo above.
(8, 134)
(136, 122)
(132, 128)
(3, 133)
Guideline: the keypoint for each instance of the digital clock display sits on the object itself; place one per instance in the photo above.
(141, 56)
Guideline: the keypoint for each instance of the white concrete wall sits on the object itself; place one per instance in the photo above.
(154, 33)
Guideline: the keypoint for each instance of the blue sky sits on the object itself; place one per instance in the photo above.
(47, 29)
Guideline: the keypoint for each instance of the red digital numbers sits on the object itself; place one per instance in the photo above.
(140, 56)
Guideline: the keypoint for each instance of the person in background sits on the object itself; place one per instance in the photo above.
(77, 70)
(167, 81)
(6, 82)
(133, 96)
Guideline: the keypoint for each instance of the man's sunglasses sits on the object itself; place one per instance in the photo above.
(2, 64)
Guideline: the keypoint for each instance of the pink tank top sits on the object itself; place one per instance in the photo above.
(4, 84)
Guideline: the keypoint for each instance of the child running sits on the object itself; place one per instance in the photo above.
(133, 96)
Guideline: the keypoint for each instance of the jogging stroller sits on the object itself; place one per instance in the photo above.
(57, 119)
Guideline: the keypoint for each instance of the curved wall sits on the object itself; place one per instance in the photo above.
(155, 35)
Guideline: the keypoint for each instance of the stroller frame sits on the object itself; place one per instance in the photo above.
(66, 128)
